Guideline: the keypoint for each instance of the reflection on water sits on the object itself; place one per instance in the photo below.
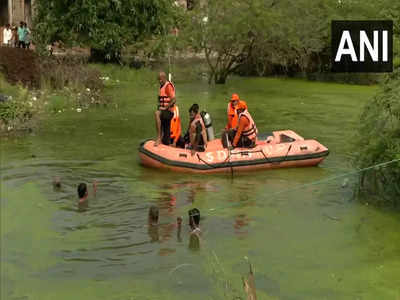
(305, 243)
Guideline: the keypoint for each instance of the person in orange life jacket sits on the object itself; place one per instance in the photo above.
(233, 117)
(164, 113)
(197, 130)
(245, 135)
(232, 112)
(176, 127)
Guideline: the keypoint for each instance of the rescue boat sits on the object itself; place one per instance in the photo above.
(280, 149)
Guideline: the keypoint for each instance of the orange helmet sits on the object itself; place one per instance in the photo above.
(235, 97)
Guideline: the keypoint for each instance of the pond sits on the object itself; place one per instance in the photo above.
(304, 233)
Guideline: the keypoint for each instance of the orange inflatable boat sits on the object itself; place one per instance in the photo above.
(281, 149)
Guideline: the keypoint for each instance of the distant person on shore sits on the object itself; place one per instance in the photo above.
(21, 35)
(165, 110)
(7, 36)
(28, 36)
(14, 38)
(50, 48)
(83, 193)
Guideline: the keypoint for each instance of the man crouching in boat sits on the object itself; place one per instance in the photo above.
(197, 130)
(165, 111)
(233, 115)
(245, 135)
(196, 135)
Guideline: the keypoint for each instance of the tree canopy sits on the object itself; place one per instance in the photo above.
(104, 25)
(282, 34)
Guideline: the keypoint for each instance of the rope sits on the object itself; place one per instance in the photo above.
(339, 176)
(202, 160)
(384, 164)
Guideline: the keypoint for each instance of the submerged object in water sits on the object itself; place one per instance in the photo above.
(281, 149)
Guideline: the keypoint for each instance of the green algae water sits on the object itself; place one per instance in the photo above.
(306, 241)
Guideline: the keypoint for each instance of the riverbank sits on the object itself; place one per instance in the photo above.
(32, 88)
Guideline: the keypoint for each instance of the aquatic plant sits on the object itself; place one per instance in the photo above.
(378, 140)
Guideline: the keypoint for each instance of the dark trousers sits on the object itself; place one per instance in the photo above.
(185, 140)
(180, 143)
(165, 118)
(244, 141)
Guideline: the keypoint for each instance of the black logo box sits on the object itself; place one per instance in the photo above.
(354, 27)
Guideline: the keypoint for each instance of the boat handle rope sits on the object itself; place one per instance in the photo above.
(290, 147)
(247, 152)
(202, 160)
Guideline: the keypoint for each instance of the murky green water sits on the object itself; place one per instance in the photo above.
(307, 243)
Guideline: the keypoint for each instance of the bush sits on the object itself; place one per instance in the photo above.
(20, 66)
(70, 71)
(378, 140)
(65, 83)
(19, 110)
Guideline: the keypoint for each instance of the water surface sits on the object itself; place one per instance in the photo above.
(312, 242)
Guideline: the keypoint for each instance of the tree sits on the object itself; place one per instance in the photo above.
(106, 26)
(265, 36)
(222, 31)
(258, 32)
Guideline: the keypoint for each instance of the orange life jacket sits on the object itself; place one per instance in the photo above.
(251, 130)
(176, 128)
(233, 117)
(163, 98)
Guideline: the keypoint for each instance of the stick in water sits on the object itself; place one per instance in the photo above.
(249, 285)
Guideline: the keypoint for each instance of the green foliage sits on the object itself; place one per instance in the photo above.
(379, 141)
(20, 108)
(65, 85)
(221, 30)
(268, 36)
(106, 26)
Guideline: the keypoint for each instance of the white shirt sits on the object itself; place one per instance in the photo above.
(7, 34)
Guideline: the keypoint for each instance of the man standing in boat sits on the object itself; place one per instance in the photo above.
(165, 110)
(245, 136)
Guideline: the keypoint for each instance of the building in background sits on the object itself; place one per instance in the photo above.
(15, 11)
